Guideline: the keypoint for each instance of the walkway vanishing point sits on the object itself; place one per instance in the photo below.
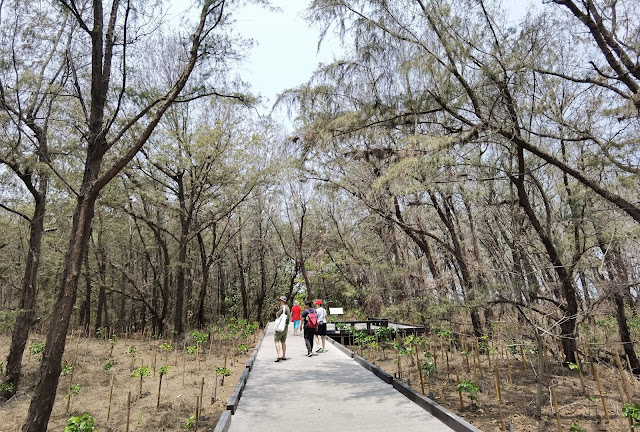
(327, 392)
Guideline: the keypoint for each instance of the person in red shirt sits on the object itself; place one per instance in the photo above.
(295, 317)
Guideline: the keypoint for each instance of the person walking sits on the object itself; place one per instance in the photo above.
(310, 326)
(322, 324)
(280, 338)
(296, 310)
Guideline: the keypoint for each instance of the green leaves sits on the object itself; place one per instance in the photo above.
(142, 371)
(81, 423)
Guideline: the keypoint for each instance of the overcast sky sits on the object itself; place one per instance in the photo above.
(285, 52)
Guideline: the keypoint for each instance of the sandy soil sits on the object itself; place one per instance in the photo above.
(575, 408)
(180, 387)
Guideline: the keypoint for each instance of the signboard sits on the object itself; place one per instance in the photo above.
(335, 311)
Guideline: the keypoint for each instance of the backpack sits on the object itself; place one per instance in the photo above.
(312, 320)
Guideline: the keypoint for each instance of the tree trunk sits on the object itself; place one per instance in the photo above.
(25, 319)
(51, 365)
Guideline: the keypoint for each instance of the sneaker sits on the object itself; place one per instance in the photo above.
(277, 360)
(309, 354)
(283, 358)
(319, 350)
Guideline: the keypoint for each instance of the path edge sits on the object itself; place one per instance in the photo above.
(224, 422)
(457, 423)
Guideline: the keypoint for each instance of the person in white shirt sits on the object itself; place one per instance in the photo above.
(322, 325)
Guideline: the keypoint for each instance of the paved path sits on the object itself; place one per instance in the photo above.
(327, 392)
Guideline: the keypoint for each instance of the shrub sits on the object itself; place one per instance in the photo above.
(66, 369)
(37, 348)
(81, 423)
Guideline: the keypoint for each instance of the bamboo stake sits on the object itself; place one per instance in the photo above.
(524, 363)
(110, 397)
(447, 357)
(475, 370)
(197, 412)
(184, 366)
(153, 367)
(420, 371)
(624, 381)
(159, 387)
(555, 408)
(509, 367)
(201, 393)
(128, 410)
(621, 394)
(477, 353)
(594, 370)
(69, 392)
(499, 394)
(459, 392)
(584, 388)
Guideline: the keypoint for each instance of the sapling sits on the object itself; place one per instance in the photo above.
(471, 389)
(142, 371)
(222, 372)
(428, 368)
(131, 352)
(73, 390)
(81, 423)
(162, 372)
(112, 343)
(37, 348)
(66, 369)
(632, 412)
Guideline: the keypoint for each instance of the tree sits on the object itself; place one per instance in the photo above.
(111, 137)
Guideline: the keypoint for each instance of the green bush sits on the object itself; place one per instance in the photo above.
(81, 423)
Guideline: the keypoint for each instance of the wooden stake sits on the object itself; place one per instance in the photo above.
(128, 410)
(153, 366)
(555, 408)
(594, 370)
(184, 366)
(69, 392)
(201, 393)
(419, 371)
(499, 394)
(159, 387)
(622, 378)
(459, 392)
(584, 388)
(110, 397)
(475, 370)
(447, 357)
(546, 364)
(197, 412)
(509, 367)
(524, 363)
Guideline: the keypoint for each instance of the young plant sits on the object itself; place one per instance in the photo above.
(141, 372)
(109, 364)
(112, 343)
(242, 349)
(632, 411)
(199, 337)
(73, 391)
(36, 349)
(7, 389)
(191, 350)
(471, 389)
(131, 352)
(66, 369)
(575, 426)
(166, 347)
(81, 423)
(162, 372)
(428, 367)
(220, 372)
(190, 423)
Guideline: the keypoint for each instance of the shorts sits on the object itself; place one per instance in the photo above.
(281, 336)
(322, 329)
(296, 325)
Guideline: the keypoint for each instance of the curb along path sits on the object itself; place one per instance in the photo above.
(329, 390)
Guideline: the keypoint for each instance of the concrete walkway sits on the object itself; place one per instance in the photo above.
(327, 392)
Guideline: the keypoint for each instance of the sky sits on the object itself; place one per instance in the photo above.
(285, 52)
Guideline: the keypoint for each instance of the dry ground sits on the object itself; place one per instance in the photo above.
(180, 387)
(582, 411)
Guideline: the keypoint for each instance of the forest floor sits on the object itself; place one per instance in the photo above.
(578, 410)
(180, 386)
